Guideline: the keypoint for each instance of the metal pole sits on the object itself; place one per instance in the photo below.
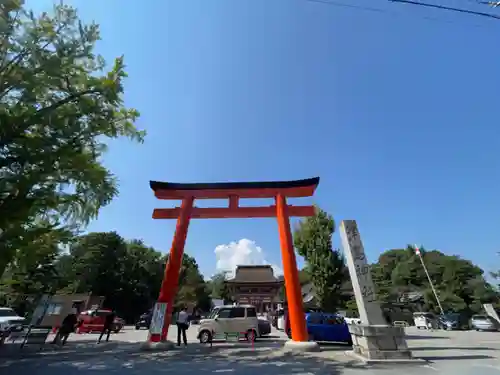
(429, 278)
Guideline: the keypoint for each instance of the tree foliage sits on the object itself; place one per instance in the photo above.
(193, 291)
(325, 265)
(460, 284)
(127, 273)
(58, 105)
(218, 287)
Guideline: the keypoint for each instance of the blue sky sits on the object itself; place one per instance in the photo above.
(394, 109)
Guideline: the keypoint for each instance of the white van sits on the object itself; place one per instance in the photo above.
(425, 320)
(230, 320)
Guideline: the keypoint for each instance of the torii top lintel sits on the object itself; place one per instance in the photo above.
(223, 190)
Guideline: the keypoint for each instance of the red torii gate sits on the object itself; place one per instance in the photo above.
(233, 191)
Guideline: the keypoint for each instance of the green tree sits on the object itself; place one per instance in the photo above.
(459, 283)
(218, 287)
(325, 265)
(127, 274)
(304, 278)
(143, 269)
(33, 272)
(193, 290)
(57, 108)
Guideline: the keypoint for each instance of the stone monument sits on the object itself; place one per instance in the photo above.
(373, 339)
(490, 310)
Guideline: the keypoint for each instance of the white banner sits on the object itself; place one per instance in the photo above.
(158, 318)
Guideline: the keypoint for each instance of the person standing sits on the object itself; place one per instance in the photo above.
(108, 324)
(182, 326)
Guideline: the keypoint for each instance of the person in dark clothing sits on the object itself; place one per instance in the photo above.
(108, 323)
(182, 326)
(68, 326)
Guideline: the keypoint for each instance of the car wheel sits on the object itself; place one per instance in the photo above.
(289, 333)
(137, 327)
(205, 336)
(349, 342)
(251, 335)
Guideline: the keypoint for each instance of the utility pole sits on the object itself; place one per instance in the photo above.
(417, 251)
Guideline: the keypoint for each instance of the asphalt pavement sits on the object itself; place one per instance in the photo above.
(448, 353)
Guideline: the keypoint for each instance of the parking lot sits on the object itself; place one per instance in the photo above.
(445, 352)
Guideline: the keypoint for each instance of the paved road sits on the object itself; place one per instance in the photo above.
(448, 353)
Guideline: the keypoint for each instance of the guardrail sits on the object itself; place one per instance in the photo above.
(30, 335)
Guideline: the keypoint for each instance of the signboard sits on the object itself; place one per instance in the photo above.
(158, 318)
(40, 311)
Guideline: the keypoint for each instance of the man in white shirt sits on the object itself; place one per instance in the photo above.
(182, 326)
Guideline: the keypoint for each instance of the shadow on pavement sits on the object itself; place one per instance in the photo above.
(82, 346)
(454, 357)
(471, 348)
(334, 347)
(126, 359)
(421, 337)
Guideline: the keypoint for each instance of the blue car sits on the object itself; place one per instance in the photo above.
(326, 327)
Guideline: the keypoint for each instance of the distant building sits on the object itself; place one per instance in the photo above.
(255, 285)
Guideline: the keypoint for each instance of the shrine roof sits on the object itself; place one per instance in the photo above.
(220, 190)
(262, 274)
(261, 282)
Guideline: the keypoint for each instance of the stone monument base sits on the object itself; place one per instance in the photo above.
(301, 346)
(157, 346)
(380, 343)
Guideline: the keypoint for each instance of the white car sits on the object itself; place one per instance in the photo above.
(225, 321)
(352, 320)
(9, 320)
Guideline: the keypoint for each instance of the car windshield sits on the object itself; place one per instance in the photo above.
(7, 312)
(423, 315)
(213, 313)
(453, 316)
(480, 317)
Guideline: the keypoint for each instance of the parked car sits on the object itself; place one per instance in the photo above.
(264, 327)
(453, 321)
(229, 319)
(93, 320)
(144, 320)
(195, 319)
(324, 327)
(425, 320)
(352, 320)
(10, 321)
(484, 323)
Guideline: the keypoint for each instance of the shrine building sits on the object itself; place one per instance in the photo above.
(255, 285)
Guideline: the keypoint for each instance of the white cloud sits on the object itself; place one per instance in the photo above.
(242, 253)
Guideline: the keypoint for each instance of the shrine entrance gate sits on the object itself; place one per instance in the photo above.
(233, 191)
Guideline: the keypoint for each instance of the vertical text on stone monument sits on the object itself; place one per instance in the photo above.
(360, 262)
